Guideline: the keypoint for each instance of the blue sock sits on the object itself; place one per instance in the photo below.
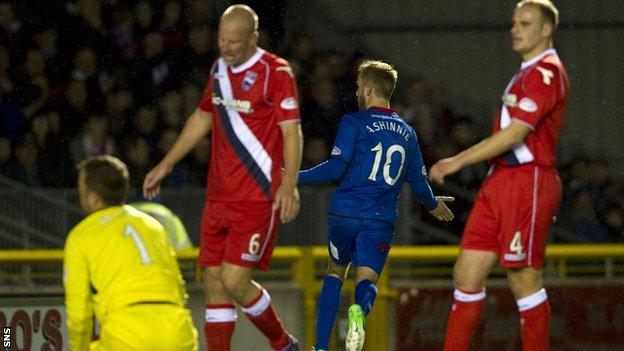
(365, 294)
(328, 304)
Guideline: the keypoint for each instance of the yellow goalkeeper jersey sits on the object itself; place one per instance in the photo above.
(114, 258)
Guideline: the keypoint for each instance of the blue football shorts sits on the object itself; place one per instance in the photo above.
(364, 242)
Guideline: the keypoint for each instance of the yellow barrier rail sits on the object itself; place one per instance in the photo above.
(303, 261)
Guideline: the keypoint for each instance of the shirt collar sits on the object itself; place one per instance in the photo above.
(537, 58)
(249, 63)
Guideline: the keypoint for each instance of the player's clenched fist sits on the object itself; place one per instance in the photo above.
(151, 184)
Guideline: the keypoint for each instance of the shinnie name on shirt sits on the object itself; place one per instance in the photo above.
(388, 125)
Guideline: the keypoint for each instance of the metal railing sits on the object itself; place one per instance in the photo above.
(304, 266)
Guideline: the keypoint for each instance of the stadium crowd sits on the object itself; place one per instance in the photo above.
(115, 77)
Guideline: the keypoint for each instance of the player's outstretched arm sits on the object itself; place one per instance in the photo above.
(287, 195)
(492, 146)
(327, 171)
(442, 212)
(195, 129)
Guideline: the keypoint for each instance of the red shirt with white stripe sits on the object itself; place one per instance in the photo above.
(248, 103)
(536, 96)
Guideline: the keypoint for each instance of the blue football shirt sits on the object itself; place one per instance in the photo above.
(382, 152)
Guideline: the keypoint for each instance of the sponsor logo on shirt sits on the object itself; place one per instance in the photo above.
(527, 105)
(249, 80)
(243, 106)
(547, 74)
(336, 151)
(289, 103)
(510, 100)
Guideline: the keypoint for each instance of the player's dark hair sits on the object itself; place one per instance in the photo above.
(108, 177)
(548, 9)
(381, 75)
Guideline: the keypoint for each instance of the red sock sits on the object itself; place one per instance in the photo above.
(534, 321)
(261, 313)
(463, 319)
(219, 327)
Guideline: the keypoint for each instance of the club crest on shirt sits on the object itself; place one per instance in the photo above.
(249, 80)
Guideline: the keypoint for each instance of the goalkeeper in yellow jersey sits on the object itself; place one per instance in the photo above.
(119, 265)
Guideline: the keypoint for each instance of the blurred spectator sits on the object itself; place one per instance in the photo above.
(181, 175)
(144, 16)
(190, 94)
(195, 58)
(6, 82)
(150, 70)
(46, 39)
(197, 13)
(581, 219)
(172, 28)
(74, 107)
(85, 69)
(119, 103)
(464, 135)
(11, 33)
(125, 43)
(94, 140)
(612, 219)
(5, 154)
(84, 27)
(170, 108)
(25, 165)
(323, 112)
(199, 162)
(139, 161)
(144, 124)
(315, 151)
(55, 163)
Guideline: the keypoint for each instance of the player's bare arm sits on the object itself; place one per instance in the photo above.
(287, 195)
(492, 146)
(195, 130)
(442, 212)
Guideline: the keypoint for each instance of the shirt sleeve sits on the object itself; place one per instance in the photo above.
(327, 171)
(283, 92)
(205, 104)
(416, 175)
(78, 302)
(539, 94)
(346, 139)
(416, 170)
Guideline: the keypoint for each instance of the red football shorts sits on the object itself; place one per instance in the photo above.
(240, 233)
(513, 214)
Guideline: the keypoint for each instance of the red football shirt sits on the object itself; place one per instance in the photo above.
(248, 103)
(536, 96)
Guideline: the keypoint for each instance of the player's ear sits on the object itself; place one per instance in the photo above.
(93, 198)
(547, 30)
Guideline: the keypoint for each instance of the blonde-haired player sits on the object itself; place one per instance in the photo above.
(512, 215)
(119, 266)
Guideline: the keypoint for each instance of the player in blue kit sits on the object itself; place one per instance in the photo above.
(374, 153)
